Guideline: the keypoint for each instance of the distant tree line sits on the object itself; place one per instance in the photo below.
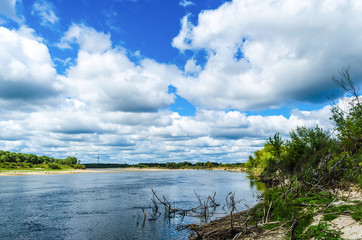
(168, 165)
(23, 160)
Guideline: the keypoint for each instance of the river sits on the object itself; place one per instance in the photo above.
(108, 205)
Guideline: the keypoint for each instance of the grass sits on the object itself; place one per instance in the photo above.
(329, 217)
(321, 231)
(354, 210)
(315, 199)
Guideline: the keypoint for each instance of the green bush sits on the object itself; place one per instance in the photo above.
(29, 165)
(4, 165)
(54, 166)
(12, 165)
(329, 217)
(315, 198)
(78, 166)
(357, 215)
(283, 208)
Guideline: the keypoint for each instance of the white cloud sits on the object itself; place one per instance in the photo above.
(8, 9)
(192, 67)
(105, 78)
(111, 81)
(45, 10)
(27, 74)
(290, 51)
(88, 39)
(185, 3)
(157, 136)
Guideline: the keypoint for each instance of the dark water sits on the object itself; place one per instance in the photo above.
(108, 205)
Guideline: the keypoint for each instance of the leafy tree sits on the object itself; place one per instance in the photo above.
(209, 164)
(348, 121)
(276, 145)
(262, 158)
(171, 165)
(306, 148)
(251, 163)
(70, 160)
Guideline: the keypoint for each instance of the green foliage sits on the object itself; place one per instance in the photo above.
(263, 158)
(329, 217)
(357, 215)
(54, 166)
(348, 121)
(309, 154)
(78, 166)
(283, 207)
(251, 163)
(303, 223)
(349, 126)
(271, 226)
(306, 148)
(315, 198)
(168, 165)
(276, 145)
(70, 160)
(171, 165)
(356, 210)
(321, 232)
(11, 160)
(12, 165)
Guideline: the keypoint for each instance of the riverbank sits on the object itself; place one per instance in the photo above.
(336, 216)
(76, 171)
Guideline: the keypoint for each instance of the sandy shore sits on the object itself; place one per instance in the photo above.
(75, 171)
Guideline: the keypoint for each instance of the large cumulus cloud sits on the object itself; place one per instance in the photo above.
(105, 77)
(261, 54)
(27, 74)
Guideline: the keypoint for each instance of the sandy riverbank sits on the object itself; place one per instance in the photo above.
(220, 229)
(76, 171)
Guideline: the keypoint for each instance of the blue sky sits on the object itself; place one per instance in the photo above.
(157, 81)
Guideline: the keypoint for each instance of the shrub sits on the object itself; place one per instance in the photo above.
(12, 165)
(78, 166)
(54, 166)
(321, 231)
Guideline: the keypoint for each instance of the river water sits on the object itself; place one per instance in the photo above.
(109, 205)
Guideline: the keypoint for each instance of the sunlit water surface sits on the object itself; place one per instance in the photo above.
(109, 205)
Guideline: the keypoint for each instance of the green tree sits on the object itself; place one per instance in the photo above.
(209, 164)
(70, 160)
(348, 121)
(306, 148)
(171, 165)
(276, 145)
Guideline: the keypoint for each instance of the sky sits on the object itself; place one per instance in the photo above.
(170, 80)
